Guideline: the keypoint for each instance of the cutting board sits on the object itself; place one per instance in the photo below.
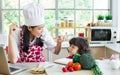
(57, 70)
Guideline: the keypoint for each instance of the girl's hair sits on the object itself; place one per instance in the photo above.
(81, 43)
(26, 39)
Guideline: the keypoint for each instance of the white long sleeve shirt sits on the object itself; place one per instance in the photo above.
(49, 43)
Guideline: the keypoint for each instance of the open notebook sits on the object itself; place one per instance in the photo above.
(62, 61)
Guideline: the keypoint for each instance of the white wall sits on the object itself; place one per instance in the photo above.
(116, 16)
(119, 18)
(115, 12)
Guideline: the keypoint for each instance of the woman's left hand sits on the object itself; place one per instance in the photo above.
(60, 39)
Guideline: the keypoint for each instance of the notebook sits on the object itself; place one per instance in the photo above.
(6, 68)
(62, 61)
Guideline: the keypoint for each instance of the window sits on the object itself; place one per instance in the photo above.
(81, 11)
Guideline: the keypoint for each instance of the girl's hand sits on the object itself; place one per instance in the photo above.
(60, 39)
(12, 28)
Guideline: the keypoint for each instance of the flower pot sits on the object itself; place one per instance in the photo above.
(100, 21)
(108, 21)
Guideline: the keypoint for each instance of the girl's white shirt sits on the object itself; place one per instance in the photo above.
(49, 43)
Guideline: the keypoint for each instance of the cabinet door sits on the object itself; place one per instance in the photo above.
(109, 52)
(98, 52)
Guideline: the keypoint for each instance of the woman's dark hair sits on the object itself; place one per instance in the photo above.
(26, 39)
(81, 43)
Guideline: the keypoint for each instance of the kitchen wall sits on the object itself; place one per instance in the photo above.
(116, 15)
(119, 18)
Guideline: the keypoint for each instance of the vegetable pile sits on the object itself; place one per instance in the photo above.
(87, 62)
(70, 67)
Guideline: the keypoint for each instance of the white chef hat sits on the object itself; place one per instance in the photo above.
(33, 14)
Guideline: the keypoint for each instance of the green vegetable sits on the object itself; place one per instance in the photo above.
(87, 61)
(96, 70)
(76, 58)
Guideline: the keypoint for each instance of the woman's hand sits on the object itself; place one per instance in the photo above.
(60, 39)
(12, 28)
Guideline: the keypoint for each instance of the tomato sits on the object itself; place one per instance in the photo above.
(64, 69)
(70, 69)
(77, 66)
(69, 64)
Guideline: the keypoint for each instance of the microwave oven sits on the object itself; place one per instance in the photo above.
(103, 35)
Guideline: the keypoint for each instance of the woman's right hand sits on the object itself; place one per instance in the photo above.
(12, 28)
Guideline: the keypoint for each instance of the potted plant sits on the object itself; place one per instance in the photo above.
(100, 18)
(108, 18)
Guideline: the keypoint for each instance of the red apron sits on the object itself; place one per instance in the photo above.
(34, 53)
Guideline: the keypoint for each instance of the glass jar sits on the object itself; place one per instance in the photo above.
(70, 23)
(63, 23)
(57, 23)
(66, 21)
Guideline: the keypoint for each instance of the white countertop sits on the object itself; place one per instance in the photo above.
(66, 44)
(104, 65)
(56, 69)
(114, 47)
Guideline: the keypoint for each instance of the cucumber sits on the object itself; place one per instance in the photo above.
(96, 70)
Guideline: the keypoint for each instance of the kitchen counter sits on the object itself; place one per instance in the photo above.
(114, 47)
(106, 68)
(56, 69)
(66, 44)
(104, 65)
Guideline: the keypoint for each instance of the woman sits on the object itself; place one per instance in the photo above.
(27, 43)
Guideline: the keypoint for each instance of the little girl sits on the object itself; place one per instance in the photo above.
(78, 45)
